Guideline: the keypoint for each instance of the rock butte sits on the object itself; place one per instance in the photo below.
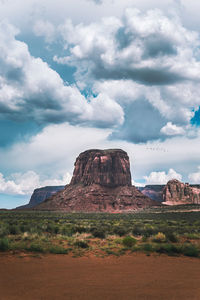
(101, 182)
(176, 193)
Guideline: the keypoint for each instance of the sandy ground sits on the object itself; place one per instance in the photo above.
(138, 276)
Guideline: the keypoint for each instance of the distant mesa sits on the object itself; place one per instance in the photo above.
(101, 182)
(41, 194)
(176, 193)
(154, 191)
(173, 193)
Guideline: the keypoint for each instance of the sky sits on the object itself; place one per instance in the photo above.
(82, 74)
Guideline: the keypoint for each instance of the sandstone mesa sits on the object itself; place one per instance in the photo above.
(101, 182)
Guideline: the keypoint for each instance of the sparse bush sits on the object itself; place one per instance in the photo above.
(129, 241)
(192, 236)
(67, 231)
(14, 229)
(147, 247)
(119, 230)
(58, 250)
(159, 237)
(190, 250)
(80, 229)
(81, 244)
(98, 233)
(168, 249)
(35, 247)
(138, 230)
(171, 237)
(4, 244)
(148, 231)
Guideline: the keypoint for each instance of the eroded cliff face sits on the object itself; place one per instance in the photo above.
(176, 192)
(101, 182)
(105, 167)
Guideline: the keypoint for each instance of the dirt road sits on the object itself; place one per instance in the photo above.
(56, 277)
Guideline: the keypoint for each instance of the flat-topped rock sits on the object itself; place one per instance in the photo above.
(101, 182)
(105, 167)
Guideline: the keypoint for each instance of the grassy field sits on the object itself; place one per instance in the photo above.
(165, 230)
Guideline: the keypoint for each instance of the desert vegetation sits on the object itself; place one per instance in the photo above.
(154, 231)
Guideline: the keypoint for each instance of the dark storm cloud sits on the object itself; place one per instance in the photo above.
(147, 76)
(156, 45)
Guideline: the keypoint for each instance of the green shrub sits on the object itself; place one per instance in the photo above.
(14, 229)
(3, 231)
(138, 230)
(58, 250)
(192, 236)
(148, 231)
(81, 244)
(35, 247)
(51, 228)
(190, 250)
(119, 230)
(168, 249)
(80, 229)
(171, 237)
(4, 244)
(129, 241)
(99, 233)
(147, 247)
(67, 231)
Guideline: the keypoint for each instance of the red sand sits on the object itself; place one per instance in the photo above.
(56, 277)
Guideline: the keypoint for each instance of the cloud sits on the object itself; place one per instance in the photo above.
(142, 123)
(25, 183)
(53, 150)
(45, 29)
(195, 177)
(172, 129)
(146, 57)
(162, 177)
(137, 55)
(97, 1)
(30, 89)
(148, 48)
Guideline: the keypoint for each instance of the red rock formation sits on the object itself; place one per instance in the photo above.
(105, 167)
(101, 182)
(176, 193)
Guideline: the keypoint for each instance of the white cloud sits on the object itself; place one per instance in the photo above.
(162, 177)
(45, 29)
(52, 153)
(172, 129)
(195, 177)
(25, 183)
(138, 184)
(53, 150)
(149, 48)
(30, 89)
(147, 56)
